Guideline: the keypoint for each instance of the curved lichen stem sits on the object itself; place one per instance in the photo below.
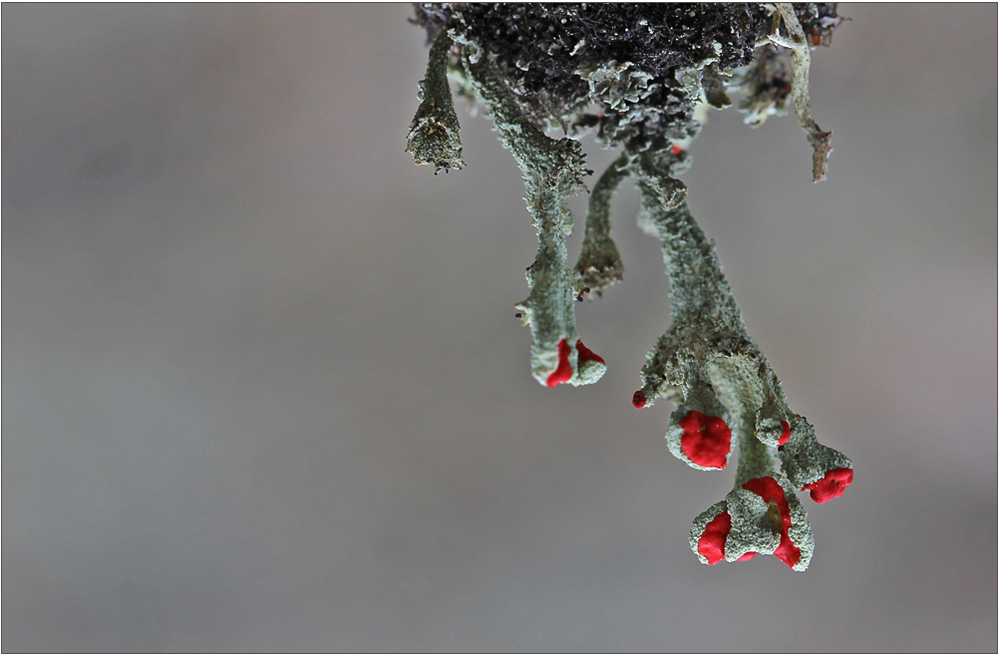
(543, 160)
(600, 264)
(700, 296)
(799, 46)
(704, 317)
(552, 169)
(723, 387)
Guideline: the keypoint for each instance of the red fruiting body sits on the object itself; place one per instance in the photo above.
(770, 490)
(706, 439)
(586, 354)
(712, 543)
(638, 400)
(786, 433)
(677, 150)
(833, 485)
(564, 371)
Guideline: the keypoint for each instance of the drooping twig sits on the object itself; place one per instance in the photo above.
(552, 169)
(433, 136)
(799, 46)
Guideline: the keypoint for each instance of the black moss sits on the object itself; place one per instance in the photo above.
(540, 50)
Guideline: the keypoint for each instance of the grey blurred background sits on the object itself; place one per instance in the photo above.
(263, 387)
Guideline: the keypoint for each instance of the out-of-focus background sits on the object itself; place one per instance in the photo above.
(263, 387)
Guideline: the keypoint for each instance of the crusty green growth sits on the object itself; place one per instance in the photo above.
(641, 77)
(433, 137)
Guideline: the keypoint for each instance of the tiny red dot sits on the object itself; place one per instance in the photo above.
(638, 400)
(786, 433)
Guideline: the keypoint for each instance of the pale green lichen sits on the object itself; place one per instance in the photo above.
(804, 460)
(757, 525)
(600, 264)
(727, 397)
(433, 136)
(552, 169)
(706, 363)
(770, 98)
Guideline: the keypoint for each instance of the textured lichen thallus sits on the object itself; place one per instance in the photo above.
(654, 71)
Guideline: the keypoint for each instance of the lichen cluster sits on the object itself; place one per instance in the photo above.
(640, 78)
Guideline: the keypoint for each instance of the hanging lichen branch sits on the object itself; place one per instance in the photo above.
(433, 136)
(704, 322)
(795, 41)
(652, 70)
(723, 387)
(600, 264)
(552, 171)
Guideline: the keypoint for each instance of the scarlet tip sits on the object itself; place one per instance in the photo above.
(712, 543)
(563, 371)
(771, 491)
(585, 354)
(638, 400)
(786, 433)
(833, 485)
(706, 440)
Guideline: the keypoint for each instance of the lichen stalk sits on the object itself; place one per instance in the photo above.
(801, 58)
(433, 136)
(552, 170)
(704, 316)
(723, 388)
(652, 71)
(600, 264)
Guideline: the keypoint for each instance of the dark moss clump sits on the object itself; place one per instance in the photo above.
(560, 59)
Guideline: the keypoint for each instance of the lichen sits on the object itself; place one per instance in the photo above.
(433, 137)
(641, 78)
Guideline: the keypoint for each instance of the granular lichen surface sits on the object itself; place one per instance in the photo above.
(642, 79)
